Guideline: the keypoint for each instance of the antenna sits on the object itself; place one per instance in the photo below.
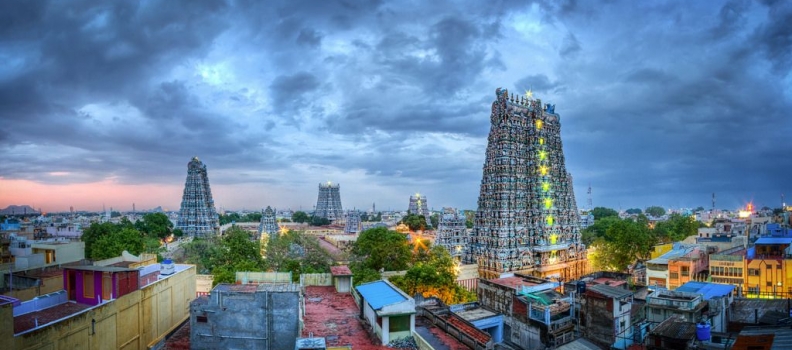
(590, 206)
(713, 201)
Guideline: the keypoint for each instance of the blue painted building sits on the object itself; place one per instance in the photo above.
(389, 311)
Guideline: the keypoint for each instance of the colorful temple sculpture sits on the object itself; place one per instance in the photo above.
(527, 219)
(268, 224)
(328, 205)
(452, 233)
(197, 216)
(353, 224)
(418, 206)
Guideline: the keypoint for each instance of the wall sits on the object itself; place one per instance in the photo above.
(246, 320)
(316, 279)
(135, 321)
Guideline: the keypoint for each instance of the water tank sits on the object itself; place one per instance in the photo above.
(703, 331)
(581, 287)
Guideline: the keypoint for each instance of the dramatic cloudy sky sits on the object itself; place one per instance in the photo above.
(662, 102)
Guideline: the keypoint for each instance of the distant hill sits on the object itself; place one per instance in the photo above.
(18, 210)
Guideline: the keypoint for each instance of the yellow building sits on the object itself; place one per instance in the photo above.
(768, 268)
(137, 319)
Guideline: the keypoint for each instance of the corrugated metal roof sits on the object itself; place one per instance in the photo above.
(609, 291)
(774, 240)
(672, 254)
(708, 290)
(379, 294)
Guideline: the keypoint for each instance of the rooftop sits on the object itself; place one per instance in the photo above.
(774, 240)
(708, 290)
(676, 252)
(675, 328)
(44, 316)
(512, 282)
(380, 293)
(475, 314)
(608, 291)
(334, 316)
(609, 281)
(744, 310)
(342, 270)
(253, 288)
(781, 336)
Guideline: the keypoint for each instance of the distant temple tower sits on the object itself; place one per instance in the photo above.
(418, 206)
(527, 219)
(197, 217)
(352, 226)
(268, 224)
(452, 233)
(328, 205)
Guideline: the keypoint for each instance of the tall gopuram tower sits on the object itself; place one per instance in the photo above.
(328, 205)
(353, 224)
(268, 224)
(197, 216)
(527, 219)
(452, 233)
(418, 206)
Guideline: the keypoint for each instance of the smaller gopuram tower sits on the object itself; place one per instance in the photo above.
(328, 205)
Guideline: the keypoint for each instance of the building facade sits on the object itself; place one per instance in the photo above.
(418, 206)
(451, 232)
(197, 216)
(527, 219)
(328, 205)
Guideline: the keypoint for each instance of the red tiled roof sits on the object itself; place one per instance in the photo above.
(28, 321)
(340, 270)
(477, 334)
(512, 282)
(334, 316)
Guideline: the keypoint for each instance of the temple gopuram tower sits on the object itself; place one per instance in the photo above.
(268, 224)
(452, 233)
(197, 216)
(353, 224)
(418, 206)
(328, 205)
(527, 219)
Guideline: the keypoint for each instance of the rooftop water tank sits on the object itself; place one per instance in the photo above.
(703, 331)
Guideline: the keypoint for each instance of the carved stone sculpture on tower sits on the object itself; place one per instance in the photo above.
(527, 219)
(197, 216)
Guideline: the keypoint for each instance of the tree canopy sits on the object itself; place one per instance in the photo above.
(602, 212)
(107, 240)
(676, 228)
(155, 225)
(415, 222)
(300, 216)
(655, 211)
(634, 211)
(624, 242)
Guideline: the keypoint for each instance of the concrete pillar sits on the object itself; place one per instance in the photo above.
(385, 330)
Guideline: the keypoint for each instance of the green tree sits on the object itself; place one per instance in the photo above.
(155, 225)
(252, 217)
(602, 212)
(435, 220)
(634, 211)
(698, 209)
(655, 211)
(297, 253)
(117, 241)
(229, 218)
(598, 229)
(625, 241)
(93, 233)
(300, 216)
(319, 221)
(200, 252)
(415, 222)
(381, 249)
(433, 274)
(676, 228)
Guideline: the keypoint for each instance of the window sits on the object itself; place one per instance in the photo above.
(769, 267)
(656, 311)
(673, 275)
(769, 284)
(685, 271)
(753, 272)
(201, 319)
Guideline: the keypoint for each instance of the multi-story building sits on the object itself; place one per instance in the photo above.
(768, 268)
(197, 216)
(663, 304)
(418, 206)
(728, 267)
(527, 219)
(328, 205)
(689, 267)
(101, 307)
(606, 316)
(451, 232)
(657, 269)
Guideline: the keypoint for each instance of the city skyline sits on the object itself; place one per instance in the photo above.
(103, 104)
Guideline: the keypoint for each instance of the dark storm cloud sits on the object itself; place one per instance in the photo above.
(660, 103)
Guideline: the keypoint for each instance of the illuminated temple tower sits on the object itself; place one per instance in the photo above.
(268, 224)
(451, 232)
(418, 206)
(527, 218)
(197, 216)
(328, 205)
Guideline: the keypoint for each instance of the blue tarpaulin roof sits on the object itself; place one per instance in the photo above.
(379, 294)
(708, 290)
(774, 240)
